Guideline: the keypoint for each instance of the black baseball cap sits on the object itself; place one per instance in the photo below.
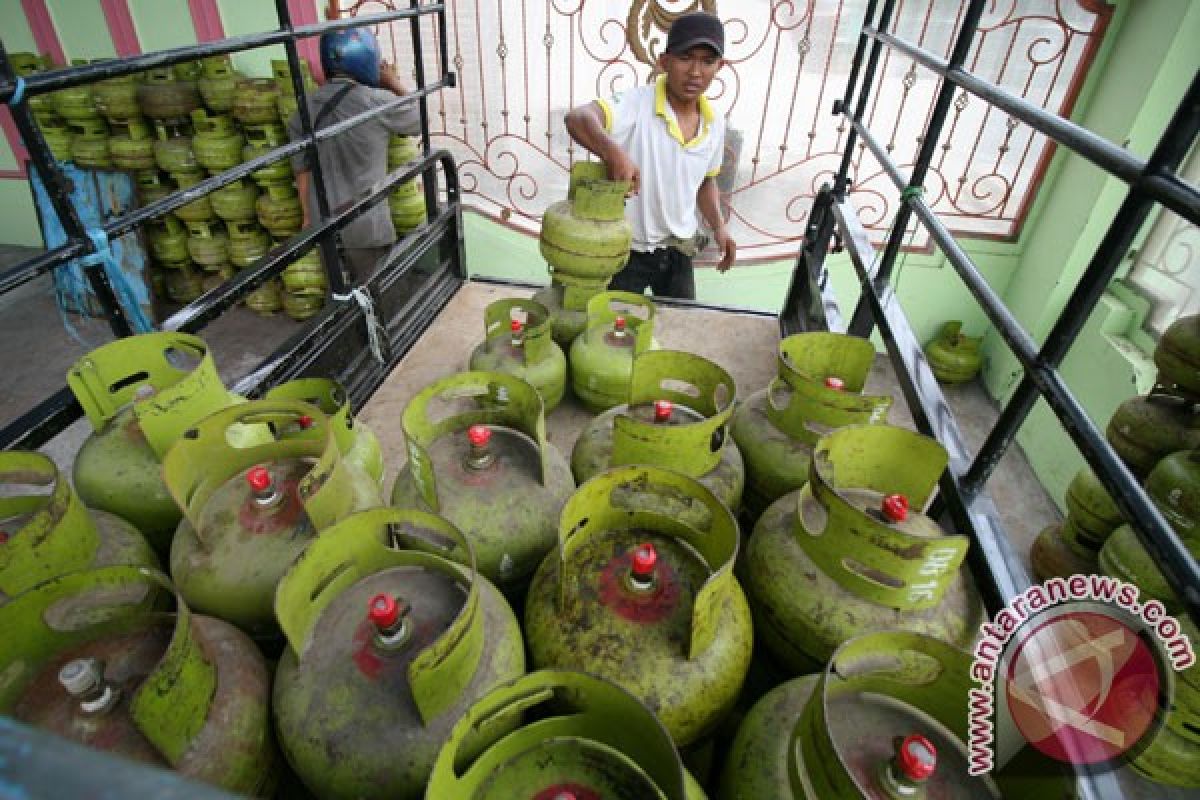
(696, 28)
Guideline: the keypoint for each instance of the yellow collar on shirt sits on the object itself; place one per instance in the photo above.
(660, 108)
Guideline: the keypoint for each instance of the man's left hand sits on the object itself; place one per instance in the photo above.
(727, 247)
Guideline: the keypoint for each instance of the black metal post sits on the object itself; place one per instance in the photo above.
(329, 250)
(860, 322)
(1172, 148)
(864, 94)
(428, 182)
(42, 160)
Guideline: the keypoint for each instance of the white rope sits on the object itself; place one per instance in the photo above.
(374, 329)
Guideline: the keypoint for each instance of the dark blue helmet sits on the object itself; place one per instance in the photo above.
(353, 52)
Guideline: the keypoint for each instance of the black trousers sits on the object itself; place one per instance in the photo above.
(666, 271)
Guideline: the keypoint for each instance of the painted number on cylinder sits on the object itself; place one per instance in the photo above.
(936, 564)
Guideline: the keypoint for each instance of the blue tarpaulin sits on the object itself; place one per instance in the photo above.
(98, 196)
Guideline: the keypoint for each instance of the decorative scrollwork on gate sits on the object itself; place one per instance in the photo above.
(649, 20)
(521, 64)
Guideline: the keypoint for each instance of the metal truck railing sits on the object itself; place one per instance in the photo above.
(811, 306)
(336, 339)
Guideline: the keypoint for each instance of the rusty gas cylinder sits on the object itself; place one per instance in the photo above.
(163, 96)
(560, 735)
(409, 637)
(1072, 546)
(852, 552)
(641, 591)
(140, 394)
(93, 657)
(1174, 487)
(517, 342)
(46, 530)
(1145, 429)
(355, 439)
(885, 720)
(620, 327)
(486, 466)
(1177, 356)
(819, 387)
(216, 142)
(676, 415)
(249, 511)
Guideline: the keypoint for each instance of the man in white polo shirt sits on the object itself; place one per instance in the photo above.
(666, 140)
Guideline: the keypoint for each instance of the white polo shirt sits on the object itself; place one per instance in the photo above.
(643, 123)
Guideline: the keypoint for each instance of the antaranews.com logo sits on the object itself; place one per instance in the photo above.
(1078, 667)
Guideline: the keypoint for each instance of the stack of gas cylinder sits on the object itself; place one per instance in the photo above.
(1157, 436)
(171, 128)
(709, 596)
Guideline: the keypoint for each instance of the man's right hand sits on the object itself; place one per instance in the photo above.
(622, 168)
(389, 79)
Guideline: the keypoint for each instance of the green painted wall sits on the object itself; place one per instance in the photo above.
(162, 24)
(82, 29)
(240, 17)
(1141, 73)
(16, 209)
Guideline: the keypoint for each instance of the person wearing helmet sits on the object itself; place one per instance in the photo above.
(356, 80)
(665, 139)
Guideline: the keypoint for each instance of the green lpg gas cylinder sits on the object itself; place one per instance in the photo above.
(406, 205)
(306, 275)
(885, 720)
(852, 552)
(248, 242)
(116, 98)
(478, 455)
(518, 342)
(235, 201)
(266, 299)
(954, 357)
(409, 638)
(554, 735)
(217, 83)
(58, 138)
(1172, 757)
(133, 149)
(75, 102)
(818, 388)
(199, 210)
(208, 244)
(1174, 486)
(168, 240)
(249, 511)
(279, 211)
(585, 239)
(261, 139)
(1071, 547)
(1177, 356)
(89, 143)
(357, 443)
(1146, 429)
(281, 72)
(184, 284)
(302, 306)
(93, 657)
(401, 150)
(47, 531)
(677, 416)
(254, 101)
(140, 394)
(173, 151)
(641, 591)
(620, 326)
(216, 142)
